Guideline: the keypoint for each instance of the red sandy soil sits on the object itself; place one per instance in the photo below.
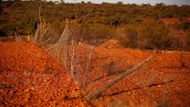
(29, 76)
(169, 21)
(164, 81)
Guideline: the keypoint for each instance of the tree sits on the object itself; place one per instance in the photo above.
(62, 1)
(120, 2)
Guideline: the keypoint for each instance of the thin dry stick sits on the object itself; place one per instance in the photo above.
(46, 27)
(40, 19)
(18, 38)
(65, 53)
(39, 14)
(72, 59)
(61, 45)
(38, 26)
(94, 93)
(38, 31)
(42, 28)
(42, 34)
(86, 79)
(77, 74)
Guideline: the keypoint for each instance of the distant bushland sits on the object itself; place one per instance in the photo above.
(136, 26)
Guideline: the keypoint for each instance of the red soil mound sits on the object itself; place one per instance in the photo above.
(30, 77)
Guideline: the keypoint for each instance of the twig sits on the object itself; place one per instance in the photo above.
(72, 59)
(86, 79)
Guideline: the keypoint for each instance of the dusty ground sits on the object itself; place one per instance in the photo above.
(29, 76)
(164, 81)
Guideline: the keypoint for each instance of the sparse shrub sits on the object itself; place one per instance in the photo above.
(9, 29)
(184, 26)
(128, 36)
(26, 27)
(97, 31)
(153, 35)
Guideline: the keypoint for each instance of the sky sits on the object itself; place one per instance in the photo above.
(178, 2)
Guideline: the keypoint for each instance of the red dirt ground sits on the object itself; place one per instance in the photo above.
(168, 21)
(29, 76)
(164, 81)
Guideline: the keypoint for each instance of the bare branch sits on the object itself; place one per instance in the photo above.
(61, 45)
(86, 79)
(94, 93)
(72, 59)
(42, 28)
(18, 38)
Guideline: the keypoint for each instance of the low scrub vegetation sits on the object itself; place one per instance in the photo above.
(135, 26)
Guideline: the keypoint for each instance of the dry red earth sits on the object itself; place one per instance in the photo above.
(168, 21)
(29, 76)
(164, 81)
